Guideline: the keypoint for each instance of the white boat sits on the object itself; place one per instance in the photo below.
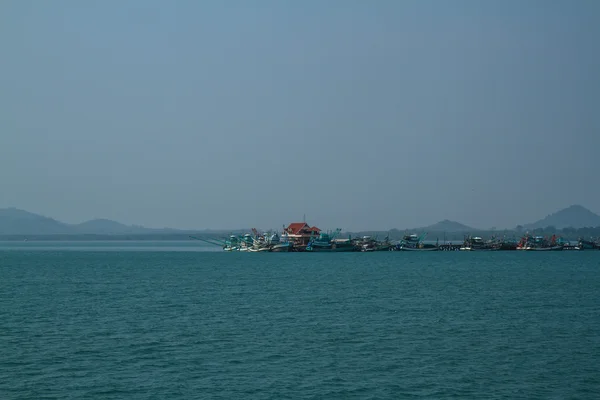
(282, 247)
(258, 249)
(553, 248)
(415, 243)
(403, 248)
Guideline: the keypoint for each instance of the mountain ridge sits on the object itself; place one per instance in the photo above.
(574, 216)
(447, 225)
(14, 221)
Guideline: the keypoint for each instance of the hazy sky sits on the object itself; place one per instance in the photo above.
(359, 114)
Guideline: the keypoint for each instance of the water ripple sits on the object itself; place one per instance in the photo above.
(141, 325)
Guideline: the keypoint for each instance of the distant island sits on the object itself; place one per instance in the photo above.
(575, 216)
(20, 224)
(571, 223)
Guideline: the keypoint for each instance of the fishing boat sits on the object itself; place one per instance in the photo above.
(327, 242)
(277, 245)
(246, 242)
(282, 248)
(258, 249)
(588, 244)
(232, 244)
(267, 242)
(366, 244)
(415, 243)
(508, 244)
(539, 243)
(476, 243)
(260, 242)
(284, 245)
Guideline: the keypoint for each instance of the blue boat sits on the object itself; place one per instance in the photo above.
(327, 242)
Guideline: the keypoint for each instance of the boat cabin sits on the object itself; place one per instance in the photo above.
(411, 238)
(300, 232)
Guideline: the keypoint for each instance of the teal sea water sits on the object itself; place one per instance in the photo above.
(171, 320)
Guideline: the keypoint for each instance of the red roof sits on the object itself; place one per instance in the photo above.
(295, 228)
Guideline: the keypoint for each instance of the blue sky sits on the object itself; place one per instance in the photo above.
(226, 114)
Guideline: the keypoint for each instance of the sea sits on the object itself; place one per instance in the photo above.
(182, 320)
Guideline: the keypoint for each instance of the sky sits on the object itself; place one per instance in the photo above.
(357, 114)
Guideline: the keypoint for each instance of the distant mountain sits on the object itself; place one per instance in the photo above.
(448, 226)
(575, 216)
(19, 222)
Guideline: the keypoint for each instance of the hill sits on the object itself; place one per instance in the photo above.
(19, 222)
(575, 216)
(447, 226)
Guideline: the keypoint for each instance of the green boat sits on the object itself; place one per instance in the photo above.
(327, 242)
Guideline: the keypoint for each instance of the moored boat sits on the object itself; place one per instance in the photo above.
(415, 243)
(259, 249)
(232, 244)
(366, 244)
(539, 243)
(279, 246)
(246, 242)
(589, 244)
(552, 248)
(327, 242)
(269, 242)
(476, 243)
(508, 244)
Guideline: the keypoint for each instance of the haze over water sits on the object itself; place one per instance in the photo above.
(360, 115)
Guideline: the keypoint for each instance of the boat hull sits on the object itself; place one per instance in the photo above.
(401, 248)
(479, 249)
(298, 248)
(330, 249)
(378, 248)
(587, 245)
(281, 248)
(553, 248)
(259, 250)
